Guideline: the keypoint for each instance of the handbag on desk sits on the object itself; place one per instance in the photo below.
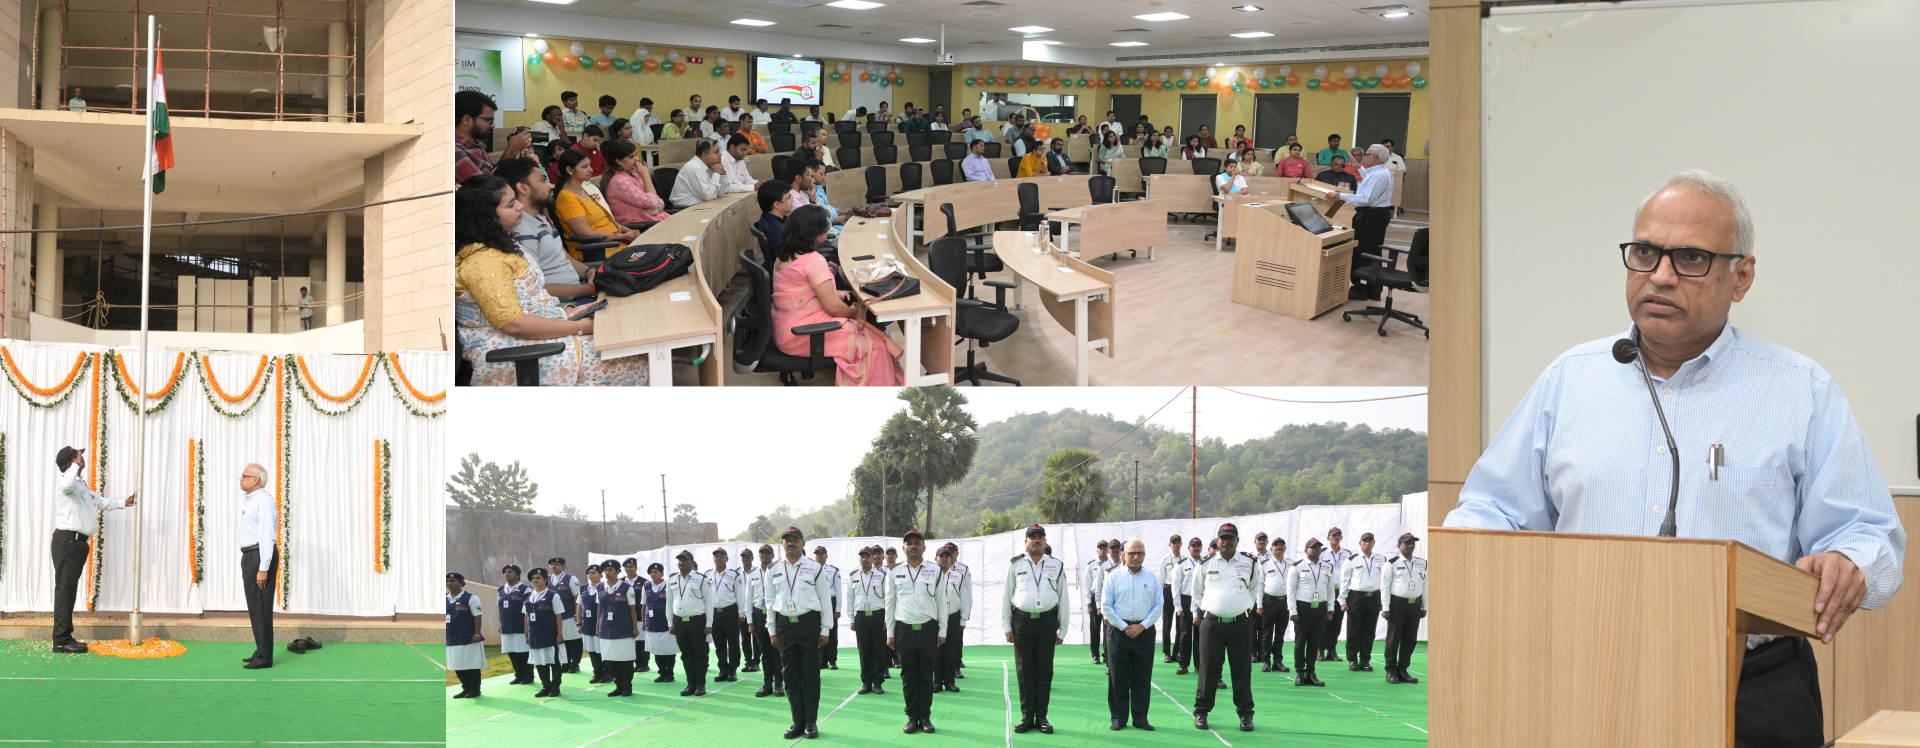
(886, 279)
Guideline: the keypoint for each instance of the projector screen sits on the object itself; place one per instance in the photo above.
(776, 78)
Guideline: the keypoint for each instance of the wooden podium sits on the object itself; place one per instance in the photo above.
(1279, 267)
(1549, 640)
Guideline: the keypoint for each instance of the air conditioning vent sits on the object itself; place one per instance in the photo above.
(1410, 46)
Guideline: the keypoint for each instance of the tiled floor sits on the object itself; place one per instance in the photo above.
(1177, 325)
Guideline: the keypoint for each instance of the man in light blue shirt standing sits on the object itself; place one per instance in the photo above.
(1372, 211)
(1794, 478)
(1130, 600)
(259, 560)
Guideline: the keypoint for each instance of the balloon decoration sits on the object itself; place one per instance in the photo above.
(834, 76)
(728, 69)
(540, 46)
(1313, 84)
(1342, 82)
(1293, 80)
(578, 49)
(603, 64)
(718, 71)
(1419, 82)
(619, 64)
(650, 65)
(586, 63)
(570, 62)
(863, 76)
(533, 60)
(679, 67)
(1043, 131)
(549, 58)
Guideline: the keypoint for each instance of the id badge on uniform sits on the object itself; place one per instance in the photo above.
(792, 607)
(449, 619)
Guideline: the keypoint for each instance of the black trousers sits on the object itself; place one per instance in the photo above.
(726, 638)
(1033, 660)
(1403, 631)
(870, 640)
(1363, 614)
(1095, 622)
(691, 635)
(800, 660)
(1370, 232)
(1780, 708)
(1229, 644)
(1310, 619)
(950, 651)
(69, 559)
(919, 648)
(1273, 629)
(1183, 639)
(1129, 674)
(749, 649)
(831, 656)
(622, 672)
(1330, 633)
(260, 601)
(770, 671)
(469, 680)
(1165, 630)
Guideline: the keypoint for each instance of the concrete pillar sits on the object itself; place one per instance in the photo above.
(48, 262)
(49, 71)
(337, 72)
(336, 267)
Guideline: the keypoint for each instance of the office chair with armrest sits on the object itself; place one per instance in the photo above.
(784, 142)
(877, 126)
(663, 179)
(849, 139)
(881, 137)
(1417, 259)
(845, 125)
(592, 247)
(954, 151)
(876, 184)
(752, 327)
(1031, 212)
(1389, 277)
(766, 248)
(987, 262)
(918, 138)
(1102, 190)
(847, 158)
(938, 137)
(656, 130)
(910, 176)
(525, 360)
(779, 128)
(780, 164)
(942, 170)
(974, 321)
(993, 150)
(1213, 186)
(1206, 165)
(919, 151)
(886, 153)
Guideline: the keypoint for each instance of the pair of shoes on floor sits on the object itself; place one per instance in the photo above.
(467, 695)
(78, 647)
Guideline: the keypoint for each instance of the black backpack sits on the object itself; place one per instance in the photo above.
(641, 267)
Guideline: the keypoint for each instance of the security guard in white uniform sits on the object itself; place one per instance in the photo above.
(1359, 596)
(1310, 586)
(867, 596)
(1224, 589)
(916, 629)
(729, 590)
(1183, 592)
(1167, 567)
(690, 620)
(1274, 607)
(957, 584)
(749, 649)
(1337, 557)
(1406, 583)
(1035, 622)
(830, 654)
(796, 593)
(1092, 572)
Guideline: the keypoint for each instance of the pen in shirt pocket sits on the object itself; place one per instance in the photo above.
(1716, 458)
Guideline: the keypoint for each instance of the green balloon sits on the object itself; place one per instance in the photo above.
(883, 83)
(969, 80)
(1373, 82)
(1083, 83)
(619, 64)
(586, 63)
(1204, 81)
(1238, 87)
(718, 71)
(1313, 84)
(533, 59)
(1264, 83)
(1419, 82)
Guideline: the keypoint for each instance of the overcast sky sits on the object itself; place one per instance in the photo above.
(740, 452)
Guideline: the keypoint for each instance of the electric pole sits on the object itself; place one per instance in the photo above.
(1136, 490)
(604, 538)
(1193, 457)
(666, 520)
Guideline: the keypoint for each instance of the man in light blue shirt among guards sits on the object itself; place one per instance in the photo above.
(1131, 601)
(259, 560)
(1791, 476)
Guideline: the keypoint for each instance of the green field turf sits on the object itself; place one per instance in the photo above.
(342, 693)
(1354, 709)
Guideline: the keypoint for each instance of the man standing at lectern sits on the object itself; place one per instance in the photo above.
(1790, 472)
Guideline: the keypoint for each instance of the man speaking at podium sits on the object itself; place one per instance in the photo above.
(1769, 452)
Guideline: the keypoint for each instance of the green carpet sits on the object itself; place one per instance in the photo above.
(342, 693)
(1354, 708)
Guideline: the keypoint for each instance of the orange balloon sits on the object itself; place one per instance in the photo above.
(651, 65)
(549, 58)
(1043, 130)
(570, 62)
(1403, 81)
(679, 67)
(1343, 82)
(603, 64)
(863, 77)
(728, 70)
(1293, 80)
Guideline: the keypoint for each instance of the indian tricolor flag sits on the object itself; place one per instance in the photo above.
(162, 136)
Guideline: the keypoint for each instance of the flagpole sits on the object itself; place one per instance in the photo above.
(146, 284)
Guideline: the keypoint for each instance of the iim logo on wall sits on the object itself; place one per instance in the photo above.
(478, 70)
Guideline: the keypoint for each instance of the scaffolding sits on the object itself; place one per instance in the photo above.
(292, 73)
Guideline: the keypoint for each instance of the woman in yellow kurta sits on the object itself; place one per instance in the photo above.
(501, 300)
(579, 207)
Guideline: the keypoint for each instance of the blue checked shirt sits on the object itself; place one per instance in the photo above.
(1128, 596)
(1583, 453)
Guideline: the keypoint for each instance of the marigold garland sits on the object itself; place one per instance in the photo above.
(393, 364)
(314, 387)
(150, 649)
(206, 362)
(394, 380)
(382, 505)
(3, 503)
(123, 382)
(196, 506)
(22, 386)
(96, 545)
(283, 429)
(255, 389)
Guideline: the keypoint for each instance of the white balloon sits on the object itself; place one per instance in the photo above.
(1380, 70)
(578, 48)
(1211, 73)
(1108, 75)
(1285, 70)
(721, 60)
(1143, 74)
(1016, 73)
(673, 55)
(639, 53)
(1413, 68)
(1320, 71)
(899, 69)
(1163, 76)
(1352, 71)
(976, 71)
(610, 50)
(1259, 72)
(842, 67)
(540, 45)
(1187, 73)
(994, 71)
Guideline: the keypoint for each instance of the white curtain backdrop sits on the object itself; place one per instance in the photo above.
(330, 489)
(988, 557)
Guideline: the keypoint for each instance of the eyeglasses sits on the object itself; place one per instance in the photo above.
(1691, 262)
(1136, 553)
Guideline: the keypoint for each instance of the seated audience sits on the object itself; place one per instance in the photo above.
(538, 237)
(628, 186)
(1292, 140)
(677, 129)
(722, 132)
(501, 300)
(550, 124)
(621, 130)
(1138, 136)
(1195, 148)
(575, 119)
(965, 122)
(1394, 161)
(1325, 157)
(975, 167)
(755, 143)
(694, 111)
(702, 178)
(1230, 181)
(1057, 162)
(579, 208)
(814, 145)
(1109, 150)
(733, 111)
(1167, 135)
(589, 144)
(1239, 138)
(855, 114)
(643, 122)
(1113, 125)
(1010, 132)
(1206, 137)
(605, 118)
(816, 175)
(1293, 166)
(978, 133)
(1353, 164)
(759, 116)
(1247, 158)
(1032, 164)
(712, 122)
(733, 161)
(813, 114)
(939, 122)
(785, 114)
(1080, 127)
(473, 114)
(804, 294)
(1337, 173)
(776, 201)
(1156, 146)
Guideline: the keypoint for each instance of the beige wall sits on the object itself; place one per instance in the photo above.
(409, 255)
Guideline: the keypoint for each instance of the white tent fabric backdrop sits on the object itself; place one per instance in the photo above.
(988, 557)
(330, 493)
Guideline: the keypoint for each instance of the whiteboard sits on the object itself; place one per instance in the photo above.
(1587, 107)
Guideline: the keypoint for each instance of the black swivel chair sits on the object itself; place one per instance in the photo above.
(938, 137)
(877, 126)
(919, 151)
(987, 262)
(849, 139)
(942, 170)
(847, 158)
(1101, 190)
(776, 128)
(752, 325)
(809, 128)
(993, 150)
(1149, 166)
(876, 184)
(656, 130)
(780, 164)
(918, 138)
(766, 247)
(975, 321)
(1031, 212)
(910, 176)
(525, 360)
(1013, 166)
(593, 247)
(886, 153)
(1389, 277)
(845, 125)
(1215, 188)
(1206, 166)
(881, 137)
(784, 142)
(955, 151)
(663, 179)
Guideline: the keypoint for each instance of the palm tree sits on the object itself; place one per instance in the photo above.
(1074, 490)
(932, 440)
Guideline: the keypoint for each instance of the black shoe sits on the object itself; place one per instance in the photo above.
(257, 666)
(913, 726)
(1393, 677)
(1406, 677)
(1167, 659)
(793, 731)
(1181, 671)
(750, 668)
(1023, 727)
(951, 688)
(1045, 727)
(878, 689)
(1143, 726)
(1353, 667)
(463, 695)
(958, 674)
(813, 730)
(1200, 722)
(1266, 667)
(833, 666)
(1116, 726)
(688, 691)
(926, 725)
(1282, 667)
(1246, 724)
(664, 678)
(1313, 679)
(1302, 680)
(1364, 667)
(864, 690)
(701, 691)
(1220, 685)
(762, 693)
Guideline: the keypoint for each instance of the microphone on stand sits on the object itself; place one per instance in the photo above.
(1626, 351)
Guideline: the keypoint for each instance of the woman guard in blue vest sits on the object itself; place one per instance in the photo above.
(632, 567)
(547, 651)
(466, 647)
(569, 587)
(618, 622)
(662, 644)
(589, 609)
(513, 624)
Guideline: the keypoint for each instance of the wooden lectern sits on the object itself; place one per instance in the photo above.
(1279, 267)
(1549, 640)
(1324, 198)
